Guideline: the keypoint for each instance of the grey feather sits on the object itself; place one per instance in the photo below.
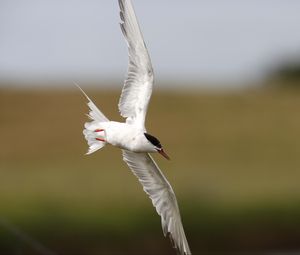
(138, 85)
(162, 195)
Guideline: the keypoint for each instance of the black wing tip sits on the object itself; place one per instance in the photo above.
(123, 29)
(179, 250)
(175, 247)
(122, 16)
(121, 4)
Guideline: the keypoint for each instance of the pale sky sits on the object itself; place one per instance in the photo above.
(206, 40)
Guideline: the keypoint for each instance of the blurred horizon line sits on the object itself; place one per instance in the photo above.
(117, 84)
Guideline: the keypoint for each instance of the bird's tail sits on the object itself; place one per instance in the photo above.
(94, 131)
(94, 135)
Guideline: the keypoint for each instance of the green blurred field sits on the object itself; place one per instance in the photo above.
(235, 170)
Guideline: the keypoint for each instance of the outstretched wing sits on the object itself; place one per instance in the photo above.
(162, 195)
(138, 85)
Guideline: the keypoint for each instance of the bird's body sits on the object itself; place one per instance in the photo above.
(122, 135)
(131, 136)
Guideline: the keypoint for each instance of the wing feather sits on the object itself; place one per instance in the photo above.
(162, 195)
(138, 85)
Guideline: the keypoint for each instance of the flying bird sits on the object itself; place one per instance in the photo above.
(131, 136)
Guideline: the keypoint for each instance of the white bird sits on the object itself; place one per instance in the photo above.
(132, 136)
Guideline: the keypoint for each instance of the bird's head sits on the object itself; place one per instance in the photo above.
(157, 145)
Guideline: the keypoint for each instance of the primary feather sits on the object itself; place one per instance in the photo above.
(138, 85)
(162, 195)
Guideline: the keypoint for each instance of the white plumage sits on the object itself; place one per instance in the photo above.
(131, 136)
(162, 195)
(137, 89)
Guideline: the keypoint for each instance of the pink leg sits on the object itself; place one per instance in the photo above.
(100, 139)
(99, 130)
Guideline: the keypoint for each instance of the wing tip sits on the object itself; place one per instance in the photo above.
(121, 5)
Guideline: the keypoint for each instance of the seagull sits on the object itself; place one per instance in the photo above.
(131, 136)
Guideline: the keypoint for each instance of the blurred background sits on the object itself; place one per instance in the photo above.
(225, 105)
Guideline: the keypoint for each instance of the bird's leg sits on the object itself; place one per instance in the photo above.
(100, 139)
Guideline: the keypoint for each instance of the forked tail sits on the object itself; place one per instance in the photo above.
(94, 133)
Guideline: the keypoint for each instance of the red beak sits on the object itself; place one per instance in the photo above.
(162, 152)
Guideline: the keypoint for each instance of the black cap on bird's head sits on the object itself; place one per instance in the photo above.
(153, 140)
